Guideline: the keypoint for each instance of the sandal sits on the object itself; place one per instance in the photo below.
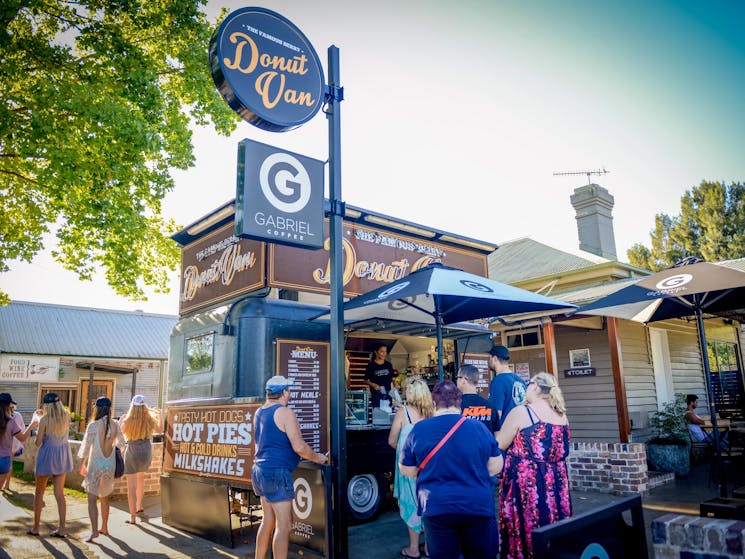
(32, 533)
(56, 534)
(405, 553)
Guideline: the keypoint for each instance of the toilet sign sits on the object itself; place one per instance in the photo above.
(279, 197)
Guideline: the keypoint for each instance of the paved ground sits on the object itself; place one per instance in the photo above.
(151, 539)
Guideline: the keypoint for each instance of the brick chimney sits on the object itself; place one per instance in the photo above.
(593, 205)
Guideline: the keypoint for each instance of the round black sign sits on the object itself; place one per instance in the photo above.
(266, 69)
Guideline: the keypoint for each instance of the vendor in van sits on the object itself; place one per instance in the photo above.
(379, 375)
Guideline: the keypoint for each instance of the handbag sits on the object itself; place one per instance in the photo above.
(119, 468)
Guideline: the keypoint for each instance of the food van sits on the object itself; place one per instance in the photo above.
(247, 313)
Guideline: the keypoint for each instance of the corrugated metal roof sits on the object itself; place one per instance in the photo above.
(585, 295)
(738, 264)
(43, 329)
(525, 258)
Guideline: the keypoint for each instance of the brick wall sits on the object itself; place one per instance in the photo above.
(152, 476)
(692, 537)
(618, 468)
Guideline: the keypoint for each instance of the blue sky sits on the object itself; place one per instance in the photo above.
(456, 116)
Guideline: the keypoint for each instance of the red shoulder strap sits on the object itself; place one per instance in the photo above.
(439, 445)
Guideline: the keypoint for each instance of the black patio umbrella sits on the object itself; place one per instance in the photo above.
(690, 288)
(439, 295)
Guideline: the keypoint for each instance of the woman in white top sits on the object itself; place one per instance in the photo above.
(98, 462)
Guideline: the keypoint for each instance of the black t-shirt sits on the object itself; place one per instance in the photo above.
(474, 406)
(379, 374)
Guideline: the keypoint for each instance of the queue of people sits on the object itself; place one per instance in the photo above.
(133, 431)
(455, 449)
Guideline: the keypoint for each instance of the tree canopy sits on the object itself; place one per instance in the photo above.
(96, 101)
(711, 225)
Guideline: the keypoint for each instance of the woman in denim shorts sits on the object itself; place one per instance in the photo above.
(279, 448)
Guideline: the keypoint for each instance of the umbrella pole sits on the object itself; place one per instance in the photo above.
(438, 328)
(721, 478)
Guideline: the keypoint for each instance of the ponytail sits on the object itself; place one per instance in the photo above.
(556, 400)
(547, 384)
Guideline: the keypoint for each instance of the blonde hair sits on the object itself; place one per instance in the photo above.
(56, 418)
(139, 424)
(419, 396)
(401, 380)
(550, 391)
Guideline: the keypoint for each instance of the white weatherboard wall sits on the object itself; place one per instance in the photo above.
(591, 401)
(639, 377)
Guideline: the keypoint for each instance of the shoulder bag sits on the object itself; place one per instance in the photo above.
(119, 469)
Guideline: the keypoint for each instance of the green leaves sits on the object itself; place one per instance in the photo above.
(97, 98)
(711, 225)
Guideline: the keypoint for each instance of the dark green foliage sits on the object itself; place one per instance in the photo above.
(711, 226)
(96, 98)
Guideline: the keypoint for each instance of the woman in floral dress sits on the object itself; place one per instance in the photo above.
(534, 490)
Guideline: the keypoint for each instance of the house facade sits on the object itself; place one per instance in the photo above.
(613, 373)
(81, 354)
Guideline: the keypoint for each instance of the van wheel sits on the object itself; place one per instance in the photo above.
(363, 496)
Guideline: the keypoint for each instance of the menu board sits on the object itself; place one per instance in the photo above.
(481, 362)
(214, 441)
(307, 364)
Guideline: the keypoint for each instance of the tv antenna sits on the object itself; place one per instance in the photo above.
(589, 173)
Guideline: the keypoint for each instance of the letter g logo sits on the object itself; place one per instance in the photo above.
(285, 182)
(393, 290)
(672, 282)
(302, 504)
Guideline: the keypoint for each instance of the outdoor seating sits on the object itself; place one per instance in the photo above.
(701, 451)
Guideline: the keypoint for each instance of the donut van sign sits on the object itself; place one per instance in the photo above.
(266, 69)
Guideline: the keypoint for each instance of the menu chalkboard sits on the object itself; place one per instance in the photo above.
(307, 364)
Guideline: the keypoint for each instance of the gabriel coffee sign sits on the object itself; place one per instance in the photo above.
(266, 69)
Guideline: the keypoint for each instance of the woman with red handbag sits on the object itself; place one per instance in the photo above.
(454, 461)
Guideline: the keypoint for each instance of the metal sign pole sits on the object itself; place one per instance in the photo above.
(334, 96)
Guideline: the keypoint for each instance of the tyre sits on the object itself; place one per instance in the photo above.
(364, 495)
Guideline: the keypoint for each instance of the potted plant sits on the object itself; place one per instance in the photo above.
(670, 449)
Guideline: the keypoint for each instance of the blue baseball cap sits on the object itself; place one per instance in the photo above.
(278, 383)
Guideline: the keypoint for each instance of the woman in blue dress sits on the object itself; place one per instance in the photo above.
(54, 460)
(418, 406)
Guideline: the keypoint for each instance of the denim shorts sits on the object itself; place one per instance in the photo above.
(274, 484)
(5, 464)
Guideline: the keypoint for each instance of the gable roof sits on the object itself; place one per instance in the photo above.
(525, 258)
(44, 329)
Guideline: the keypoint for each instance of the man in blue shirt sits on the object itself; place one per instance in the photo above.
(507, 390)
